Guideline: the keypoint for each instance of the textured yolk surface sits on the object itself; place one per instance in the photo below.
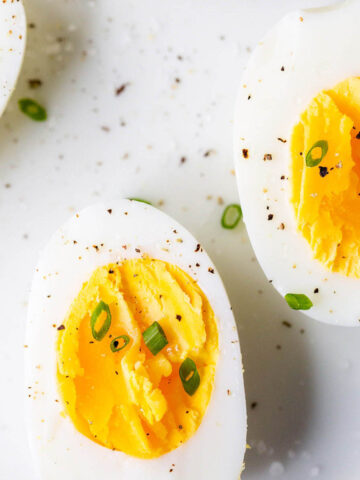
(131, 400)
(326, 200)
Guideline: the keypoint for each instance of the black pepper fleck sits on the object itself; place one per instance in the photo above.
(323, 171)
(34, 83)
(120, 89)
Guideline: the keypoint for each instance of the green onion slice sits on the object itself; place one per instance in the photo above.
(101, 332)
(141, 200)
(189, 376)
(298, 301)
(32, 109)
(313, 162)
(231, 216)
(154, 338)
(116, 344)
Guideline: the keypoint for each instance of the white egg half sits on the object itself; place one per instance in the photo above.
(216, 450)
(12, 47)
(307, 52)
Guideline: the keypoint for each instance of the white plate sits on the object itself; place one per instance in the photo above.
(306, 422)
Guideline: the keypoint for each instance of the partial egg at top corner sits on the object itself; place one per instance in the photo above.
(133, 361)
(297, 155)
(12, 47)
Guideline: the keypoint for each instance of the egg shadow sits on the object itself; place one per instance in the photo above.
(276, 359)
(51, 49)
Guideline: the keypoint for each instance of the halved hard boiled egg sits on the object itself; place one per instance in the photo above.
(12, 47)
(133, 361)
(297, 155)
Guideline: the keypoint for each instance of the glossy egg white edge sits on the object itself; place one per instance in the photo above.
(217, 449)
(318, 49)
(12, 47)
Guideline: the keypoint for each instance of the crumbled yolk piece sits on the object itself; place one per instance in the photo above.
(131, 400)
(326, 198)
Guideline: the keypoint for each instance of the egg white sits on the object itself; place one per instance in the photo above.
(12, 47)
(217, 449)
(317, 49)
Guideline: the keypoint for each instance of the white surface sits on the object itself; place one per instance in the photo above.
(281, 79)
(60, 450)
(307, 417)
(12, 47)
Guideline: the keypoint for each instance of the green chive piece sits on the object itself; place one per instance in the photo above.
(140, 200)
(313, 162)
(154, 338)
(298, 301)
(231, 216)
(32, 109)
(101, 307)
(116, 344)
(189, 376)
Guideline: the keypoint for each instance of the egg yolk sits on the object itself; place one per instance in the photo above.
(326, 197)
(131, 400)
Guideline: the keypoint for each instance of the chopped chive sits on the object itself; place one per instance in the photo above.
(189, 376)
(101, 307)
(154, 338)
(298, 301)
(140, 200)
(32, 109)
(231, 216)
(310, 160)
(116, 345)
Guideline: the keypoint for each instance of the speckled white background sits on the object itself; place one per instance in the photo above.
(95, 145)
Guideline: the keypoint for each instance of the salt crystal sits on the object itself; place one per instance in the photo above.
(314, 472)
(261, 447)
(276, 469)
(291, 454)
(305, 455)
(53, 49)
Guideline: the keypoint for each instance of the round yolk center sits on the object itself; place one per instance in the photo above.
(326, 195)
(116, 391)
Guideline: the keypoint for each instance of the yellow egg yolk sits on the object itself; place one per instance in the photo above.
(131, 400)
(326, 197)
